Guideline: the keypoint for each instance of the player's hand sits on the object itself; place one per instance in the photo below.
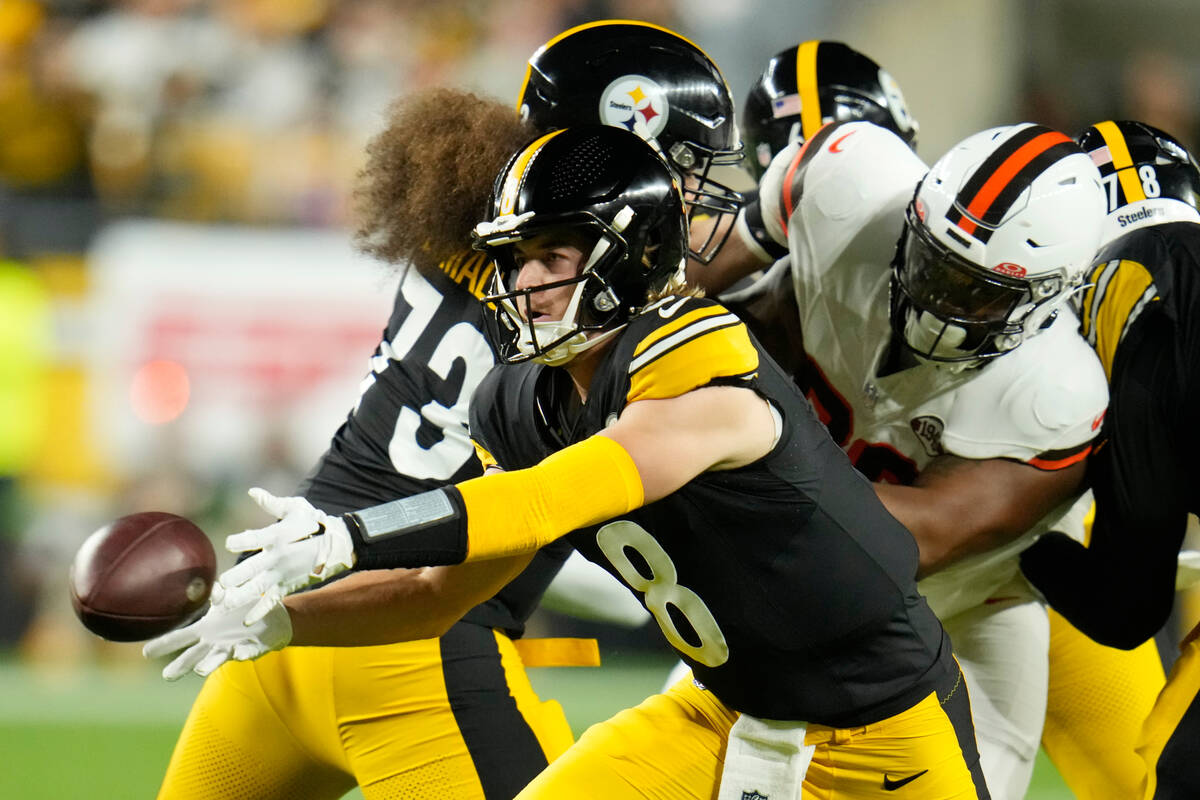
(218, 636)
(304, 547)
(770, 193)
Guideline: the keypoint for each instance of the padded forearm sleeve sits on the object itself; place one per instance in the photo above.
(518, 512)
(500, 514)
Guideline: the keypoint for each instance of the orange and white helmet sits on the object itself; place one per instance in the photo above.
(997, 237)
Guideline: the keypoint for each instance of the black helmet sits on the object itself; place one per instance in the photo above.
(651, 81)
(812, 83)
(1140, 164)
(607, 184)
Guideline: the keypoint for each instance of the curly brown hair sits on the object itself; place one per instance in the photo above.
(429, 175)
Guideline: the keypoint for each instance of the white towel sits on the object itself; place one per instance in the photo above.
(766, 760)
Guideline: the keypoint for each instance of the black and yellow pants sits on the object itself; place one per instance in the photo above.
(671, 746)
(440, 718)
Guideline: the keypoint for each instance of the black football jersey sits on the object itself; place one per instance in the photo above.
(784, 584)
(408, 432)
(1150, 271)
(1141, 313)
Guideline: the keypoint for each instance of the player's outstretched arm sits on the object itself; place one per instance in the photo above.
(367, 608)
(959, 507)
(655, 447)
(399, 605)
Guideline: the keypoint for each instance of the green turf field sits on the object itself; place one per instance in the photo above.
(92, 733)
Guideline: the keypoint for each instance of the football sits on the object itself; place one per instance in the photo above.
(142, 575)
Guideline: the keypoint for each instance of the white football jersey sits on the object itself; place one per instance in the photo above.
(1041, 403)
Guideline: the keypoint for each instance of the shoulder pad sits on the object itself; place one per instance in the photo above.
(856, 172)
(796, 169)
(1043, 403)
(683, 343)
(1120, 286)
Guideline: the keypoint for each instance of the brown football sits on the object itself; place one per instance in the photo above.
(142, 575)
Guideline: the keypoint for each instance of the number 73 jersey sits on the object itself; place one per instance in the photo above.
(408, 432)
(1041, 404)
(783, 583)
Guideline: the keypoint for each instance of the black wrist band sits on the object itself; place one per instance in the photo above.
(424, 530)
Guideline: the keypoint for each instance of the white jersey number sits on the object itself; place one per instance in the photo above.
(461, 341)
(661, 589)
(445, 458)
(1148, 178)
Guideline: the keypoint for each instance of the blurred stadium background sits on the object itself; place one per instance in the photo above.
(182, 316)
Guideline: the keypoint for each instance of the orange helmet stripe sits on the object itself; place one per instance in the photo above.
(1004, 174)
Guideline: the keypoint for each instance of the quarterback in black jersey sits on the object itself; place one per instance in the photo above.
(452, 713)
(650, 428)
(1141, 313)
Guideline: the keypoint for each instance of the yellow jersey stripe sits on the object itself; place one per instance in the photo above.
(472, 270)
(692, 358)
(1097, 283)
(558, 652)
(1122, 161)
(512, 183)
(485, 458)
(1120, 300)
(660, 333)
(697, 328)
(806, 84)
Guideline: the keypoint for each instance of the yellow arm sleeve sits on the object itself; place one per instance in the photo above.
(517, 512)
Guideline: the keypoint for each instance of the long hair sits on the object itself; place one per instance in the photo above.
(429, 175)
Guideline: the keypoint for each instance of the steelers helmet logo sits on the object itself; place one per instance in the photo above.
(895, 101)
(635, 103)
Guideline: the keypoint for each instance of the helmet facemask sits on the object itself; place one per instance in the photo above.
(594, 306)
(946, 309)
(705, 197)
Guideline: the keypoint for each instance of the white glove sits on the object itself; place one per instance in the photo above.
(219, 636)
(304, 547)
(770, 193)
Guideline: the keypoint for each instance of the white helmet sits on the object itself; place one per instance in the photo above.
(997, 237)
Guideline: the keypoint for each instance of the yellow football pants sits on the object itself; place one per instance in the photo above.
(670, 747)
(1098, 702)
(1170, 740)
(440, 718)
